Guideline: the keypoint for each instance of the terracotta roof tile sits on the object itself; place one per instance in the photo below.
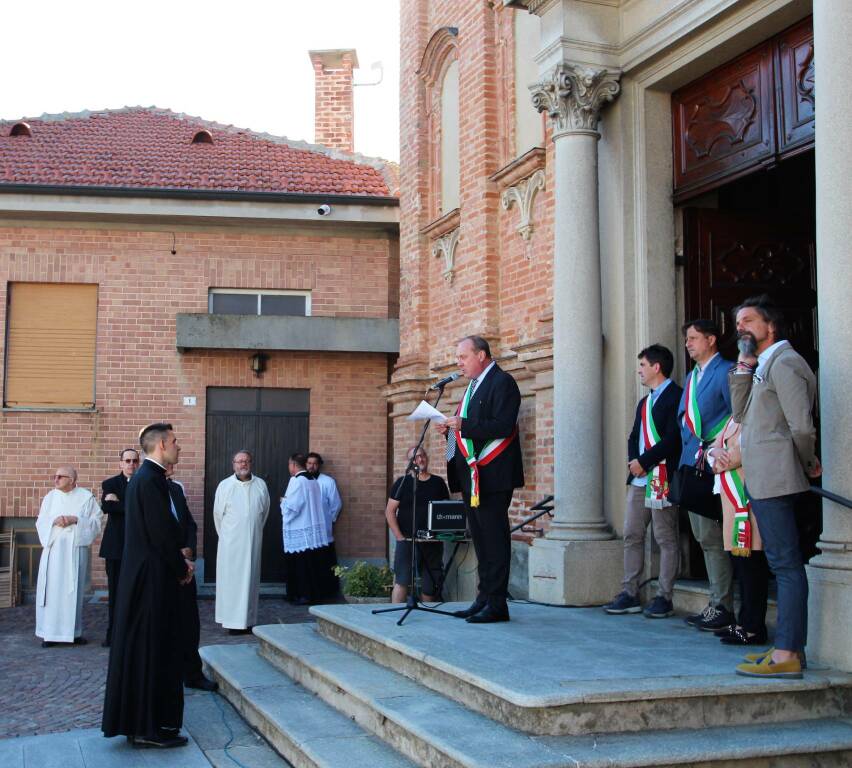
(152, 148)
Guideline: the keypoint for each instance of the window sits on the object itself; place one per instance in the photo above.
(238, 301)
(529, 128)
(50, 345)
(450, 139)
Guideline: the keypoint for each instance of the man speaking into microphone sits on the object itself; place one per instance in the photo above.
(484, 463)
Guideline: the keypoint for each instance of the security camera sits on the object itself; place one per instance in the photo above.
(324, 210)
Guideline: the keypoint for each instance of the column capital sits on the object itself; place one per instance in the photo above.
(573, 95)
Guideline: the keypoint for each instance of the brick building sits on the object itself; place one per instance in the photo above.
(155, 266)
(579, 177)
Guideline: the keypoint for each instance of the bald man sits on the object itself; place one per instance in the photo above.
(68, 522)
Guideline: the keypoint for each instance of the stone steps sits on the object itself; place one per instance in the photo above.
(300, 727)
(432, 730)
(601, 674)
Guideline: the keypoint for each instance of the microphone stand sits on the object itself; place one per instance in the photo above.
(412, 602)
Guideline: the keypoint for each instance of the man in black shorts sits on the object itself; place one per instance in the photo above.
(398, 514)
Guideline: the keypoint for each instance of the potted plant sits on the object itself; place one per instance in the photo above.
(365, 583)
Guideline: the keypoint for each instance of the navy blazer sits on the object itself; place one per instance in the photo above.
(492, 414)
(664, 412)
(714, 403)
(112, 543)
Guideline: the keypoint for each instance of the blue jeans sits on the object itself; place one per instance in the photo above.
(777, 524)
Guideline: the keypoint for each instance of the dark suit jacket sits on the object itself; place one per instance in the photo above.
(188, 526)
(492, 414)
(664, 412)
(112, 543)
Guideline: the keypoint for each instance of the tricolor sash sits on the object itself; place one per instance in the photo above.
(657, 487)
(734, 490)
(490, 451)
(692, 416)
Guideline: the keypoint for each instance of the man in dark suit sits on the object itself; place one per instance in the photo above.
(484, 463)
(653, 452)
(112, 542)
(144, 687)
(193, 676)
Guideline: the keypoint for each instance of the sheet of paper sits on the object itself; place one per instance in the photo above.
(426, 411)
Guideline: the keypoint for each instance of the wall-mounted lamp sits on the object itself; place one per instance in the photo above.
(258, 363)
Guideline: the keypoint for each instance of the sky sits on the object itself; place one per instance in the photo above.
(243, 63)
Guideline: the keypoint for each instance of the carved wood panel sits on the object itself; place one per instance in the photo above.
(723, 122)
(795, 71)
(731, 256)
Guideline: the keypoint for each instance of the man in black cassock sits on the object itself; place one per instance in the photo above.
(144, 689)
(193, 676)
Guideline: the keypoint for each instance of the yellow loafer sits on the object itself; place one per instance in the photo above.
(791, 668)
(756, 658)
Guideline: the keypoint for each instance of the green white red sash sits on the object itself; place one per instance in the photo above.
(490, 451)
(692, 416)
(657, 487)
(735, 492)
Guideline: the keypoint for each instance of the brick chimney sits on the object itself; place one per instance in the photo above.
(334, 114)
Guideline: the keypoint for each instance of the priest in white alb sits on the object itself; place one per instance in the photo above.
(240, 510)
(307, 539)
(68, 522)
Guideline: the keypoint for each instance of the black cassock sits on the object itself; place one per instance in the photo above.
(144, 689)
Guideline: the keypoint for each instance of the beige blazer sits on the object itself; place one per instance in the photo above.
(778, 436)
(729, 439)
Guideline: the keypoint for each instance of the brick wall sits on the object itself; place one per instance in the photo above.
(502, 287)
(141, 377)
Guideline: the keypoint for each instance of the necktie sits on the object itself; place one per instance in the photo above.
(451, 435)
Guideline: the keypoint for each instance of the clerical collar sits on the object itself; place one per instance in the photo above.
(306, 474)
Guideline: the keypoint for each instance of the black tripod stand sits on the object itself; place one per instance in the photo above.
(412, 602)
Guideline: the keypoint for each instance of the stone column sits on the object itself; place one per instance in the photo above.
(574, 562)
(830, 573)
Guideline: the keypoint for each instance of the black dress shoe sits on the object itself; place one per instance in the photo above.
(160, 741)
(80, 640)
(488, 615)
(739, 636)
(474, 608)
(47, 643)
(202, 684)
(725, 631)
(246, 631)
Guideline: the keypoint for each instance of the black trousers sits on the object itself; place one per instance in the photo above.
(113, 571)
(190, 631)
(489, 528)
(752, 573)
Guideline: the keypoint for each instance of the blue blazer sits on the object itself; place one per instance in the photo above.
(714, 402)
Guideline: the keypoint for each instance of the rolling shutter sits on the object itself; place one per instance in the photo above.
(50, 352)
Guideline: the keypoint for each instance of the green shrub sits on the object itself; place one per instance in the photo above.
(365, 580)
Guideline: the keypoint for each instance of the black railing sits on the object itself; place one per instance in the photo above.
(544, 507)
(831, 496)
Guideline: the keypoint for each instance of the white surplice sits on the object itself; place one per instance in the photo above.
(331, 501)
(239, 513)
(303, 515)
(64, 563)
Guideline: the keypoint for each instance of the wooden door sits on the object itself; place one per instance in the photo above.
(272, 424)
(730, 256)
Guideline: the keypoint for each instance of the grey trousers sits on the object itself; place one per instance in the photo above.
(636, 519)
(720, 572)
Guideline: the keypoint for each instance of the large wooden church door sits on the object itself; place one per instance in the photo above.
(730, 256)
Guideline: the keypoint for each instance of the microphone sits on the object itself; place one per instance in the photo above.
(446, 380)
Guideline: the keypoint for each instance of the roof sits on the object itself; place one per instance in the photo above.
(149, 148)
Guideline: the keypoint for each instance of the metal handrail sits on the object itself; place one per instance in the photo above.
(545, 507)
(843, 501)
